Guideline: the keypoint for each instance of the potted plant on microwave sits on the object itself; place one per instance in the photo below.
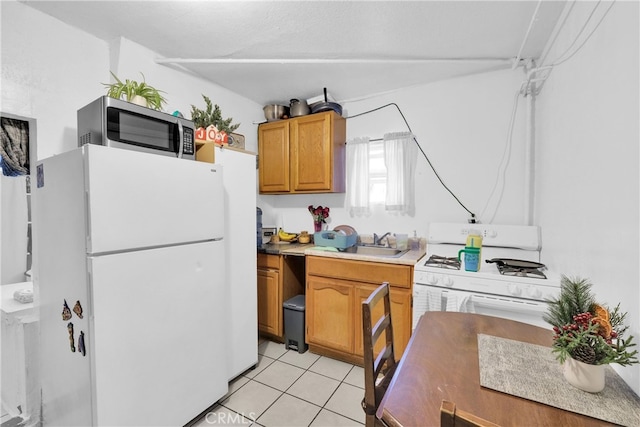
(209, 124)
(135, 92)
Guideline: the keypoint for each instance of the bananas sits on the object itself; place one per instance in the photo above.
(286, 237)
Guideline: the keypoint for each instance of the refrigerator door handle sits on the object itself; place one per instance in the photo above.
(87, 220)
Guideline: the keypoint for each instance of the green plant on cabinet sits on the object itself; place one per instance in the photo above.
(212, 115)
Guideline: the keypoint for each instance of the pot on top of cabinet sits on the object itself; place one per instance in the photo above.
(298, 107)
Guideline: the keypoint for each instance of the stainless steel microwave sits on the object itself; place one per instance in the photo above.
(120, 124)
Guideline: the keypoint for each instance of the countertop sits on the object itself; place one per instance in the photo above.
(284, 248)
(297, 249)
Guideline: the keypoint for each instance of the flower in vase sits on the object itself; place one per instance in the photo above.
(319, 214)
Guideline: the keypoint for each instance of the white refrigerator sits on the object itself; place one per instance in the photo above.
(131, 288)
(240, 203)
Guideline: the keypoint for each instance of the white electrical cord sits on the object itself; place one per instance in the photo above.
(556, 32)
(504, 163)
(560, 60)
(540, 74)
(575, 40)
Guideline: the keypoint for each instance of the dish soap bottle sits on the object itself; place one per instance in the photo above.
(415, 242)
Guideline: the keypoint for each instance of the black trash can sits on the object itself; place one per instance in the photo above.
(294, 324)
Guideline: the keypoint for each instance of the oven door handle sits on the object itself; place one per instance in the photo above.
(508, 303)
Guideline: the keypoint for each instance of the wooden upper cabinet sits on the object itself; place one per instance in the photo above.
(303, 155)
(273, 157)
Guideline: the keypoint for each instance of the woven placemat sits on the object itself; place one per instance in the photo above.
(532, 372)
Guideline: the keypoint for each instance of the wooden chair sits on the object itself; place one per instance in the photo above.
(378, 366)
(452, 417)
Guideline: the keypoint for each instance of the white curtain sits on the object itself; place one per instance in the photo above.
(358, 177)
(400, 157)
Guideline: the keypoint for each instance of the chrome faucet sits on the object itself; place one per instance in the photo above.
(377, 240)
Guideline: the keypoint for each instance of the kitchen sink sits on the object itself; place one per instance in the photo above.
(381, 251)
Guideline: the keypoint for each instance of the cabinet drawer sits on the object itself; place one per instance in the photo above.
(360, 271)
(268, 261)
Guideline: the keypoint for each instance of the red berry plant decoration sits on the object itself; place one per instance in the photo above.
(585, 330)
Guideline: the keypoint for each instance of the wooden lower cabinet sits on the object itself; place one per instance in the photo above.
(280, 277)
(334, 305)
(400, 316)
(269, 318)
(330, 313)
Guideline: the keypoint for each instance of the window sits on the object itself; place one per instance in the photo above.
(381, 172)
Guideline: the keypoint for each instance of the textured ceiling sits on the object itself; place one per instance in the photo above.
(271, 51)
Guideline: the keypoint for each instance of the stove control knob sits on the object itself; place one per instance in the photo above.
(514, 290)
(447, 281)
(534, 292)
(432, 279)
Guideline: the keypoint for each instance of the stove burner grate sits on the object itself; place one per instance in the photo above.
(450, 263)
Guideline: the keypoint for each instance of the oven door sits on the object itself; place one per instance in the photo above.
(434, 298)
(521, 310)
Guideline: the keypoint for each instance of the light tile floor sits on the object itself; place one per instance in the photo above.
(291, 389)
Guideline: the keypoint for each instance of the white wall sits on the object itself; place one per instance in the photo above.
(588, 181)
(48, 71)
(462, 125)
(47, 67)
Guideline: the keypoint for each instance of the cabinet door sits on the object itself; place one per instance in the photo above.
(273, 157)
(400, 318)
(311, 153)
(401, 310)
(329, 312)
(269, 306)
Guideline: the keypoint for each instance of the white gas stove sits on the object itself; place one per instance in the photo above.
(518, 292)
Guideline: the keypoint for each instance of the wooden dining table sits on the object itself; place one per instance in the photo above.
(441, 363)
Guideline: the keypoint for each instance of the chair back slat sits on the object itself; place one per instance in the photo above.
(381, 359)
